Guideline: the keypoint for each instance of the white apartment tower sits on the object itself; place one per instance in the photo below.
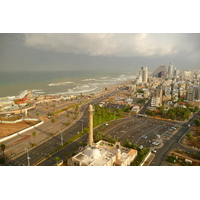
(144, 74)
(170, 70)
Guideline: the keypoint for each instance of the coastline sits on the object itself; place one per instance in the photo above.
(82, 86)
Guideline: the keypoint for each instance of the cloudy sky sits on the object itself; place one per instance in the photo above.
(90, 51)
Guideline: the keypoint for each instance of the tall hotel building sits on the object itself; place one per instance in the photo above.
(144, 74)
(170, 70)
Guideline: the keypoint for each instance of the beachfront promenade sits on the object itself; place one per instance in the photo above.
(48, 130)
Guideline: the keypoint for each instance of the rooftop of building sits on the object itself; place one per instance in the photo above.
(102, 153)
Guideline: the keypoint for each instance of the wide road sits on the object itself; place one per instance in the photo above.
(47, 147)
(144, 108)
(131, 128)
(162, 153)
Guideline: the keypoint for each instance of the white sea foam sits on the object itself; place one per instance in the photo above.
(105, 77)
(89, 79)
(85, 86)
(22, 94)
(36, 90)
(61, 83)
(39, 92)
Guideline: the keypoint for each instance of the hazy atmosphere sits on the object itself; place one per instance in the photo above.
(98, 52)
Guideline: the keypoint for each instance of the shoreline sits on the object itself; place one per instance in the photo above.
(68, 92)
(68, 86)
(34, 99)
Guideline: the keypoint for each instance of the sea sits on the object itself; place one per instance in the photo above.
(15, 84)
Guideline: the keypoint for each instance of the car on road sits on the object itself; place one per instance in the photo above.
(153, 151)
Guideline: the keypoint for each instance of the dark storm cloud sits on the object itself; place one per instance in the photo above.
(97, 51)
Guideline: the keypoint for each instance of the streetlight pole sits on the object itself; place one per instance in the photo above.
(82, 125)
(28, 158)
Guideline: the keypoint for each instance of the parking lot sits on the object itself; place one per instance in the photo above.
(144, 131)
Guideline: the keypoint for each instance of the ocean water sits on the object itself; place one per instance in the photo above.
(58, 82)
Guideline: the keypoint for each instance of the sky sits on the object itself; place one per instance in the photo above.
(98, 51)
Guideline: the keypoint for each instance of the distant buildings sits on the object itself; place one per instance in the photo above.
(160, 72)
(187, 74)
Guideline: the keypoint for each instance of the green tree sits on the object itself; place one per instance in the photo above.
(57, 160)
(197, 122)
(68, 124)
(68, 115)
(53, 122)
(190, 136)
(76, 108)
(34, 136)
(140, 91)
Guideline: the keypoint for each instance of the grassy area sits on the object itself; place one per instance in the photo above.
(177, 157)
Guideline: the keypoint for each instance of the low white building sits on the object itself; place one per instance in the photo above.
(104, 154)
(135, 109)
(128, 100)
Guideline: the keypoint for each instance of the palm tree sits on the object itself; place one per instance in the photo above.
(53, 121)
(3, 147)
(34, 135)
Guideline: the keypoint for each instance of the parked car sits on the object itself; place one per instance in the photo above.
(155, 143)
(144, 136)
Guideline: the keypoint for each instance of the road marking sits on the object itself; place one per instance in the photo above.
(147, 133)
(131, 130)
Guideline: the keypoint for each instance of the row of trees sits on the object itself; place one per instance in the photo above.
(100, 136)
(103, 114)
(177, 113)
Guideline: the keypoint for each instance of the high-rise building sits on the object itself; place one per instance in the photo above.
(160, 71)
(193, 93)
(138, 80)
(144, 74)
(170, 70)
(157, 97)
